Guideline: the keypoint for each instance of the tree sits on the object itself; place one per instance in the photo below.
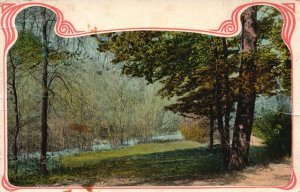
(17, 113)
(41, 56)
(247, 92)
(45, 95)
(204, 74)
(171, 58)
(189, 70)
(214, 92)
(132, 112)
(20, 56)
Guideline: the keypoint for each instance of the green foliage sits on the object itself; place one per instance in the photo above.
(272, 51)
(184, 62)
(27, 50)
(198, 91)
(274, 127)
(155, 55)
(29, 166)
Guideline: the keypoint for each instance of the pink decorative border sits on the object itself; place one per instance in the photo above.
(65, 29)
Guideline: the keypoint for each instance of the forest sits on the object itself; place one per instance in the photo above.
(153, 106)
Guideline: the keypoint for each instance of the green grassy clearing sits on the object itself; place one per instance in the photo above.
(155, 163)
(89, 158)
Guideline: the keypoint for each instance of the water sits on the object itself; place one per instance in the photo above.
(177, 136)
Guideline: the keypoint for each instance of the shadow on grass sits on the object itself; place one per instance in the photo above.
(179, 167)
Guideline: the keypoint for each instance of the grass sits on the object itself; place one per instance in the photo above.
(155, 163)
(78, 160)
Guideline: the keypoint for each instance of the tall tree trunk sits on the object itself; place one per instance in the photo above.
(212, 127)
(227, 87)
(219, 106)
(44, 105)
(247, 93)
(17, 113)
(16, 104)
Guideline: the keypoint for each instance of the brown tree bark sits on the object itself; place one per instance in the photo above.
(228, 104)
(212, 127)
(219, 107)
(16, 102)
(17, 113)
(45, 96)
(247, 94)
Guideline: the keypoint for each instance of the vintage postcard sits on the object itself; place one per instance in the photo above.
(149, 95)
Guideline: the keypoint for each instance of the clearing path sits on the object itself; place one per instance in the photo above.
(270, 175)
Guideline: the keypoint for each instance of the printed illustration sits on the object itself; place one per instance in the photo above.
(150, 107)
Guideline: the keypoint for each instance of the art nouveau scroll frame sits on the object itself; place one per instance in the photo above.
(66, 29)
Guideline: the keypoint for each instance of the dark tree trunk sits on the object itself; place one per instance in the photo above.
(247, 93)
(219, 106)
(44, 105)
(212, 127)
(17, 114)
(16, 104)
(226, 88)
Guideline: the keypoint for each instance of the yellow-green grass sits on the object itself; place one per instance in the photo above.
(137, 150)
(153, 163)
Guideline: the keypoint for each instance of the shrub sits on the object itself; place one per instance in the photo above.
(194, 130)
(274, 127)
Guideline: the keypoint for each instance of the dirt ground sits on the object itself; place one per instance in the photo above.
(271, 175)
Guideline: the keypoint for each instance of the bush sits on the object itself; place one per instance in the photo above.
(274, 127)
(194, 130)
